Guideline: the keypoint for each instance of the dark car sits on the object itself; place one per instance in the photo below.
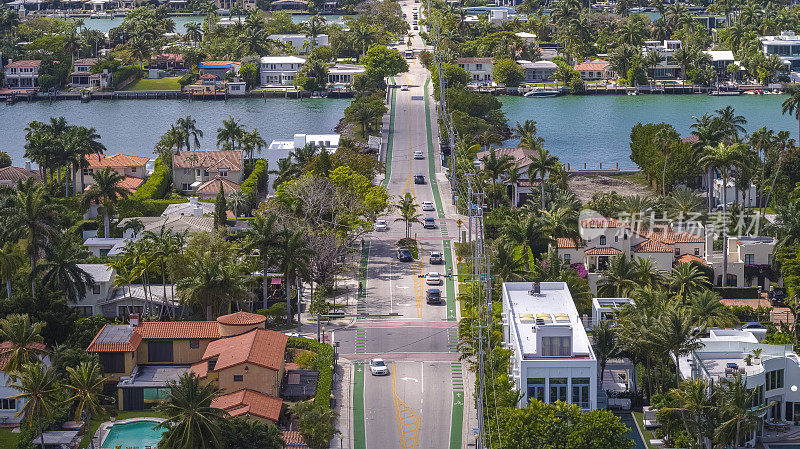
(429, 223)
(777, 296)
(434, 296)
(419, 179)
(404, 255)
(436, 258)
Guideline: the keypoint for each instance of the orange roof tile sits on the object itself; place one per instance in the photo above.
(670, 237)
(200, 369)
(601, 223)
(115, 160)
(595, 65)
(259, 346)
(13, 174)
(250, 402)
(178, 330)
(25, 63)
(687, 258)
(5, 351)
(651, 246)
(211, 160)
(131, 183)
(564, 242)
(241, 319)
(213, 186)
(606, 251)
(292, 438)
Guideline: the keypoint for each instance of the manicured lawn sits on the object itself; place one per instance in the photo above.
(167, 83)
(95, 423)
(8, 439)
(646, 434)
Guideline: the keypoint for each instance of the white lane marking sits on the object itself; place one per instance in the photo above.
(400, 286)
(410, 378)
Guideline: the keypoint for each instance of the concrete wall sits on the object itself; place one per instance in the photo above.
(258, 378)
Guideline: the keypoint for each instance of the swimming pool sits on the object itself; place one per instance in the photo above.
(133, 433)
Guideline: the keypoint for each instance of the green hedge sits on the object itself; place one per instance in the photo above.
(255, 182)
(322, 363)
(123, 74)
(157, 185)
(130, 207)
(737, 292)
(746, 313)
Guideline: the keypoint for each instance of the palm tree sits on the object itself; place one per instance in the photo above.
(647, 273)
(506, 265)
(694, 402)
(80, 142)
(685, 279)
(682, 202)
(105, 192)
(736, 407)
(191, 420)
(494, 167)
(604, 343)
(236, 202)
(313, 27)
(286, 171)
(40, 389)
(542, 165)
(407, 208)
(24, 339)
(709, 133)
(11, 259)
(724, 158)
(513, 179)
(85, 383)
(363, 35)
(230, 133)
(677, 333)
(708, 311)
(665, 142)
(194, 32)
(730, 123)
(295, 257)
(251, 142)
(526, 133)
(62, 273)
(30, 215)
(792, 104)
(188, 127)
(263, 236)
(618, 279)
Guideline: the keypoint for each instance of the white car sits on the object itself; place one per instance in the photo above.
(418, 155)
(427, 206)
(381, 225)
(378, 367)
(433, 278)
(404, 87)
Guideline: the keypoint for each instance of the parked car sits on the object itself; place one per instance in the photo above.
(418, 155)
(757, 329)
(381, 225)
(416, 28)
(378, 367)
(433, 278)
(404, 255)
(434, 296)
(419, 179)
(436, 258)
(428, 206)
(429, 223)
(777, 296)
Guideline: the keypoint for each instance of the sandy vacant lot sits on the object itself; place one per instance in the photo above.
(584, 186)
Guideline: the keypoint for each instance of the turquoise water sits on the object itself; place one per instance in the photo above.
(133, 434)
(596, 128)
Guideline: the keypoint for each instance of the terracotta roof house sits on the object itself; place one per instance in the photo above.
(168, 61)
(10, 175)
(235, 353)
(22, 75)
(597, 69)
(522, 159)
(133, 168)
(192, 169)
(292, 439)
(212, 187)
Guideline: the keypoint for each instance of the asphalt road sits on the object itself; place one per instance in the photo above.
(413, 407)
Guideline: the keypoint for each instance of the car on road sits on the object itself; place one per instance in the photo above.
(418, 155)
(416, 28)
(381, 225)
(758, 330)
(429, 223)
(404, 255)
(436, 258)
(404, 87)
(433, 278)
(378, 367)
(419, 179)
(427, 206)
(434, 296)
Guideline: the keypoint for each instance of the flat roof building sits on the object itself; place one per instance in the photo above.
(552, 358)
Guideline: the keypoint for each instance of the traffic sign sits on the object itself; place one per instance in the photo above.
(459, 259)
(459, 222)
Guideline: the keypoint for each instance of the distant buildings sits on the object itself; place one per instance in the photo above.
(219, 68)
(551, 355)
(667, 68)
(300, 42)
(280, 70)
(132, 168)
(10, 175)
(594, 70)
(328, 141)
(539, 71)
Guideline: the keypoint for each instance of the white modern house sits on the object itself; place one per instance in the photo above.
(774, 374)
(747, 197)
(539, 71)
(606, 309)
(667, 68)
(479, 69)
(103, 277)
(786, 46)
(9, 407)
(749, 262)
(552, 358)
(300, 42)
(328, 141)
(343, 74)
(23, 74)
(279, 70)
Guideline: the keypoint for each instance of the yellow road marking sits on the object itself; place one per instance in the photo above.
(408, 422)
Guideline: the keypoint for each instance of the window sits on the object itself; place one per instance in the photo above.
(96, 289)
(536, 388)
(112, 362)
(677, 251)
(478, 66)
(567, 257)
(84, 310)
(185, 187)
(197, 172)
(774, 379)
(238, 377)
(558, 389)
(8, 404)
(697, 251)
(223, 173)
(194, 344)
(133, 169)
(556, 347)
(580, 391)
(159, 351)
(602, 240)
(749, 259)
(616, 238)
(758, 397)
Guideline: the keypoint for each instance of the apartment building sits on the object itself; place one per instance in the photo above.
(551, 355)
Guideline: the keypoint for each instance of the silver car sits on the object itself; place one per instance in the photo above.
(378, 367)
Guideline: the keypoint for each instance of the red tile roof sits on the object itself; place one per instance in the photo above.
(596, 223)
(131, 183)
(259, 346)
(211, 160)
(250, 402)
(292, 438)
(651, 246)
(597, 65)
(219, 62)
(5, 351)
(26, 63)
(208, 76)
(690, 139)
(687, 258)
(241, 319)
(115, 160)
(213, 186)
(14, 174)
(178, 330)
(97, 345)
(564, 242)
(606, 251)
(670, 237)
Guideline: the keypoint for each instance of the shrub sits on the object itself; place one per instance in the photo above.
(275, 313)
(305, 359)
(322, 363)
(255, 183)
(129, 207)
(125, 75)
(157, 185)
(746, 313)
(737, 292)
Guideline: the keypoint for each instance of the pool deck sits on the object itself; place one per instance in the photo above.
(105, 428)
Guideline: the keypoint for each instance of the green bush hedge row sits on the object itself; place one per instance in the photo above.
(255, 182)
(130, 207)
(322, 363)
(157, 185)
(737, 292)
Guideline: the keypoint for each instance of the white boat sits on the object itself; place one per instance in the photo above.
(633, 92)
(542, 93)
